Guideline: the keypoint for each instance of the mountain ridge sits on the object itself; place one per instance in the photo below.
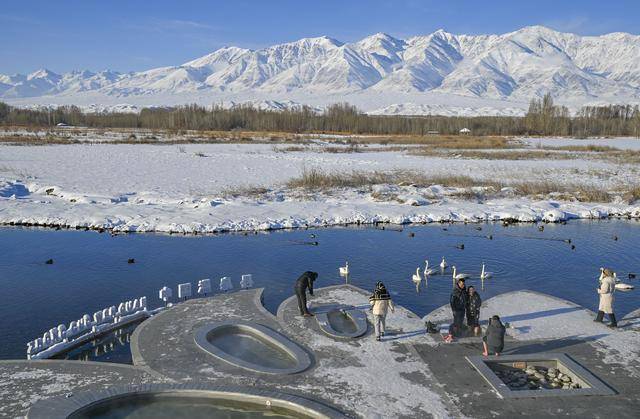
(511, 68)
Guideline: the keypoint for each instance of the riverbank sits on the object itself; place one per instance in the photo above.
(204, 188)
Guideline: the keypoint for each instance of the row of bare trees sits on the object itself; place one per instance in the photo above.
(542, 118)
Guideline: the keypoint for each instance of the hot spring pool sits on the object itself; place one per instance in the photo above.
(168, 405)
(158, 401)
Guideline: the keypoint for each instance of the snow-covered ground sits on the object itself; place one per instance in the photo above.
(619, 143)
(211, 187)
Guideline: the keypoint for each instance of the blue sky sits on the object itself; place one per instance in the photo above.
(136, 35)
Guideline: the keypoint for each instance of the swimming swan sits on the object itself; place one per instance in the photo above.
(621, 285)
(344, 270)
(428, 271)
(443, 264)
(624, 287)
(484, 274)
(416, 276)
(458, 276)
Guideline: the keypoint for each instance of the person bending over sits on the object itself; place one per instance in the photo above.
(304, 283)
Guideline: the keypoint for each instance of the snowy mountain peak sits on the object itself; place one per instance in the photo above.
(43, 73)
(376, 71)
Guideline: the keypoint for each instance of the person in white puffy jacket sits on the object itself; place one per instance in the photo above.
(380, 303)
(606, 290)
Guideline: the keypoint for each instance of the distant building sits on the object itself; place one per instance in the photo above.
(62, 124)
(433, 132)
(465, 131)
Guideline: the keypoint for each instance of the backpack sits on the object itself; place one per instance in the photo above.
(431, 327)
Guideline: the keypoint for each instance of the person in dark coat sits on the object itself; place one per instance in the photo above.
(304, 283)
(458, 302)
(493, 340)
(473, 310)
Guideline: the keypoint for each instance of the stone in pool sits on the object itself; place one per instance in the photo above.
(535, 375)
(342, 322)
(253, 347)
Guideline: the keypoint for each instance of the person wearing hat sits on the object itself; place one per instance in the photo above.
(605, 291)
(458, 303)
(380, 303)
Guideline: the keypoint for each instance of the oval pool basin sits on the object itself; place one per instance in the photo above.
(158, 401)
(252, 346)
(342, 322)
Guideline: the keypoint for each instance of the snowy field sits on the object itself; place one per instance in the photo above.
(619, 143)
(217, 187)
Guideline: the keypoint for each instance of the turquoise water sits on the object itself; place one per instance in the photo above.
(90, 270)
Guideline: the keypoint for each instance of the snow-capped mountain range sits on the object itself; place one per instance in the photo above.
(438, 73)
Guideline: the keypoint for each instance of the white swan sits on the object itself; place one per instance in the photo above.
(458, 276)
(428, 271)
(344, 270)
(416, 276)
(443, 264)
(621, 285)
(484, 274)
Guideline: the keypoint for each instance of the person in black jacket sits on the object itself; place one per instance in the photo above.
(493, 340)
(304, 283)
(458, 302)
(473, 310)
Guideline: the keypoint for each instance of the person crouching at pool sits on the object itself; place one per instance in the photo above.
(304, 283)
(380, 303)
(493, 340)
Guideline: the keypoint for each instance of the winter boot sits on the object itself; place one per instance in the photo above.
(599, 317)
(613, 323)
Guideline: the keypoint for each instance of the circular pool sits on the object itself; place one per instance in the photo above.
(159, 401)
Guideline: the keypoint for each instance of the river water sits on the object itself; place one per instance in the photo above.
(90, 270)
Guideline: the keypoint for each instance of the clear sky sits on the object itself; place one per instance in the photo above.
(136, 35)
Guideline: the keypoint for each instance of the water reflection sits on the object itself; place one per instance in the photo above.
(112, 347)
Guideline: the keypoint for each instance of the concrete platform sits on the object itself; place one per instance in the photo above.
(373, 379)
(22, 383)
(344, 374)
(408, 375)
(631, 321)
(541, 323)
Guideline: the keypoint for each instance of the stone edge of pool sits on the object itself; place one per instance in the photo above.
(62, 407)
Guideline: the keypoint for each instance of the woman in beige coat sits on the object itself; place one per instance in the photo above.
(380, 303)
(605, 290)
